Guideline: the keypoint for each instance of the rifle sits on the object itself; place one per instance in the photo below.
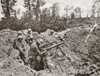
(53, 46)
(44, 45)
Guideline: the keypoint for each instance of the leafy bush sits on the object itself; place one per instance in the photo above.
(39, 26)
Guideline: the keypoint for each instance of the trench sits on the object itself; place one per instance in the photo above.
(39, 66)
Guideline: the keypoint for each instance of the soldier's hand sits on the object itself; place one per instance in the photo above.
(44, 50)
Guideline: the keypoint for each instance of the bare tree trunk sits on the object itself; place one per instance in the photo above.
(8, 9)
(37, 10)
(15, 14)
(29, 7)
(29, 11)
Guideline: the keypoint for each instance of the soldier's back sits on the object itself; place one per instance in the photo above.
(33, 49)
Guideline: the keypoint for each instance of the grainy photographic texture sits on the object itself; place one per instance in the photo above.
(49, 37)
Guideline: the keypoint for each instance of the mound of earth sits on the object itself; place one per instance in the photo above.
(74, 57)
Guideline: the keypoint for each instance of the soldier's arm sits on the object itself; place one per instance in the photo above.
(20, 49)
(40, 51)
(43, 52)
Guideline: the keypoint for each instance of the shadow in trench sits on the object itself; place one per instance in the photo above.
(39, 66)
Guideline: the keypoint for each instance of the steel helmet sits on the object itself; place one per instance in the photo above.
(40, 40)
(19, 33)
(20, 37)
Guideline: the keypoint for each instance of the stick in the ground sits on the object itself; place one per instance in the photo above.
(91, 31)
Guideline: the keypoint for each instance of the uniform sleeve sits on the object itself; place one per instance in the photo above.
(20, 48)
(37, 49)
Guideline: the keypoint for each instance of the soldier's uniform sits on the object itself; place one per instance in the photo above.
(35, 55)
(29, 37)
(22, 47)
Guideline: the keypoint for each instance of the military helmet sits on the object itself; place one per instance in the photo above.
(29, 30)
(40, 40)
(19, 33)
(20, 37)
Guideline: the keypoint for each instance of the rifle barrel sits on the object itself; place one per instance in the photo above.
(54, 46)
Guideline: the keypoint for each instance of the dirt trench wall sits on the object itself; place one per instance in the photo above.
(78, 56)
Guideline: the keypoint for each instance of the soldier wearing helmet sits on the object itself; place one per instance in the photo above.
(29, 37)
(18, 39)
(35, 53)
(20, 45)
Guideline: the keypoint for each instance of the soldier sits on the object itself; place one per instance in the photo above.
(29, 37)
(16, 40)
(22, 47)
(35, 54)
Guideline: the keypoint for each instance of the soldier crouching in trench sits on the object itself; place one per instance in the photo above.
(36, 55)
(29, 37)
(20, 45)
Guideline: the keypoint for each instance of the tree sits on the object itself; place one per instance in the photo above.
(96, 7)
(78, 12)
(45, 13)
(16, 13)
(88, 13)
(93, 10)
(67, 9)
(27, 4)
(55, 10)
(34, 5)
(7, 7)
(72, 16)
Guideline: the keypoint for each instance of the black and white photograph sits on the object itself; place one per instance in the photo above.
(49, 37)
